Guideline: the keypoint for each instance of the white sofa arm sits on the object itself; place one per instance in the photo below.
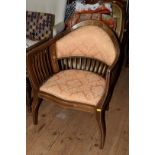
(58, 28)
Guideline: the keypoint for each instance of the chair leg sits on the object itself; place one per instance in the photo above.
(28, 95)
(100, 116)
(107, 106)
(35, 107)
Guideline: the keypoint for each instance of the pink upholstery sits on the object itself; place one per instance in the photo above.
(76, 85)
(89, 41)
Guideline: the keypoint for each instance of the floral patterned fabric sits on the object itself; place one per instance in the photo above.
(76, 86)
(88, 41)
(39, 25)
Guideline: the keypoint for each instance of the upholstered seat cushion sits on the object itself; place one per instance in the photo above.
(76, 85)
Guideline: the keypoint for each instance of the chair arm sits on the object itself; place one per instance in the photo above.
(40, 60)
(111, 76)
(58, 28)
(38, 65)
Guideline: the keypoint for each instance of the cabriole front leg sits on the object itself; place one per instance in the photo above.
(35, 107)
(28, 95)
(100, 117)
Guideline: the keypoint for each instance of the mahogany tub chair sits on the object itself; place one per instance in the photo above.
(77, 69)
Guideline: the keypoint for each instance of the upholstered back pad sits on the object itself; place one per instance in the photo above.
(87, 41)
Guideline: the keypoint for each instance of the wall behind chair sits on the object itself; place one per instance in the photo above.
(56, 7)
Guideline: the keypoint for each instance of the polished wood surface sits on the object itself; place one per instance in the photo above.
(69, 132)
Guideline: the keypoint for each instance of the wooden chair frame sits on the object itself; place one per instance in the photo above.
(42, 63)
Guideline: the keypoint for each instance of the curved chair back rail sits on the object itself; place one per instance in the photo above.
(83, 63)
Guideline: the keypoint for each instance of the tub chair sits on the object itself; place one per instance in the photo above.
(77, 69)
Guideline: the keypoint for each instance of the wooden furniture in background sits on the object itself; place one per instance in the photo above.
(54, 61)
